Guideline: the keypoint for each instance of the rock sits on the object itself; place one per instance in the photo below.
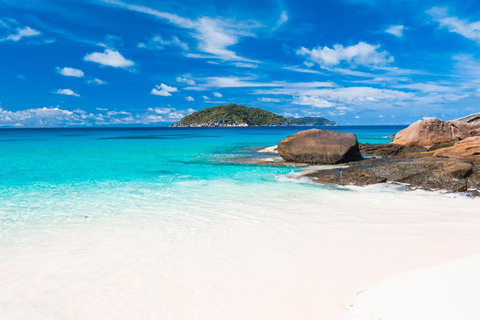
(424, 133)
(389, 150)
(432, 131)
(465, 127)
(316, 146)
(468, 148)
(473, 182)
(429, 175)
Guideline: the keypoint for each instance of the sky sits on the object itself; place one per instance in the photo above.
(146, 62)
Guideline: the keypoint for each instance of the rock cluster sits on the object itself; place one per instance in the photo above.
(432, 130)
(431, 154)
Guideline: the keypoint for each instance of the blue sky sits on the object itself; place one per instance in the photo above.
(145, 62)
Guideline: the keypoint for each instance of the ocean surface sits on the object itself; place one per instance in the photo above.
(46, 174)
(160, 223)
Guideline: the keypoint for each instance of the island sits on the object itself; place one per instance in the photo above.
(311, 121)
(235, 115)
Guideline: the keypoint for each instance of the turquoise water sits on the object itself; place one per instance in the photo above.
(52, 175)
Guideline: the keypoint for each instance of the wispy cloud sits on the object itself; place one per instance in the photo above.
(110, 58)
(163, 90)
(302, 70)
(189, 98)
(396, 30)
(186, 79)
(470, 30)
(97, 81)
(160, 43)
(70, 72)
(251, 82)
(283, 18)
(20, 33)
(214, 35)
(314, 101)
(67, 92)
(263, 99)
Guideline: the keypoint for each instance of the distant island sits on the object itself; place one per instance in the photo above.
(311, 121)
(234, 115)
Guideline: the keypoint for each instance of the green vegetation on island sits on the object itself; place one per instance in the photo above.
(311, 121)
(234, 115)
(231, 115)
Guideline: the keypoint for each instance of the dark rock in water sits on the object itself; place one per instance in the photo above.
(473, 182)
(428, 175)
(320, 147)
(430, 131)
(389, 150)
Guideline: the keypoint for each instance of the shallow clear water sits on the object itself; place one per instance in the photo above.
(46, 174)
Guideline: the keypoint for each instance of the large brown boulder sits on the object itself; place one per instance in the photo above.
(424, 133)
(432, 131)
(465, 127)
(316, 146)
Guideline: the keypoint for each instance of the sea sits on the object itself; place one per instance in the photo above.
(166, 223)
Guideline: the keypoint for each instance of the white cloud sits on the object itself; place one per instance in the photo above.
(205, 98)
(427, 87)
(268, 99)
(67, 92)
(360, 54)
(189, 98)
(186, 79)
(217, 94)
(214, 35)
(249, 82)
(160, 110)
(396, 30)
(58, 117)
(163, 90)
(470, 30)
(110, 58)
(245, 65)
(70, 72)
(21, 33)
(97, 81)
(313, 101)
(157, 42)
(302, 70)
(352, 97)
(283, 18)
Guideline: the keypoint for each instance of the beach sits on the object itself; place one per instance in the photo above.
(188, 235)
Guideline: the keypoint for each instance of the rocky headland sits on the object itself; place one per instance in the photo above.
(430, 154)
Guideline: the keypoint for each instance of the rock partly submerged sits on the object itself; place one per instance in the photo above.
(317, 146)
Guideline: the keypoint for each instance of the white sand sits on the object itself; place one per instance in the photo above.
(445, 292)
(272, 149)
(271, 252)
